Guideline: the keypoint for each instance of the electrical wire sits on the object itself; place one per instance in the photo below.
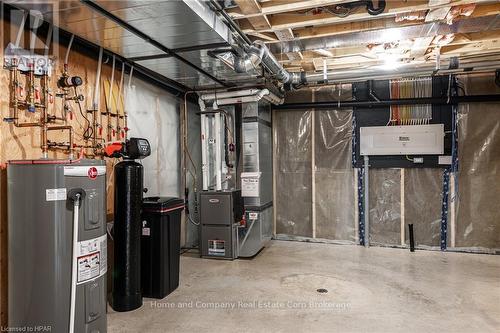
(87, 134)
(411, 88)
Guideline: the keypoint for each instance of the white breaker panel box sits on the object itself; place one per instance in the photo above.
(402, 140)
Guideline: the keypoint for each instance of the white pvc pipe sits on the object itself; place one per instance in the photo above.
(238, 100)
(243, 99)
(218, 143)
(241, 96)
(96, 101)
(273, 99)
(120, 89)
(74, 266)
(229, 94)
(112, 82)
(204, 167)
(69, 49)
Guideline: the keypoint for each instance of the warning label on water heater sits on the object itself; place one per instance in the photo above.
(55, 194)
(91, 259)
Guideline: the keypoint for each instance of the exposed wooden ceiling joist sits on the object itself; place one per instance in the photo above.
(393, 8)
(282, 6)
(384, 23)
(285, 20)
(461, 45)
(258, 22)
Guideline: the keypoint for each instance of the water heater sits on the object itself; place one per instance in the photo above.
(57, 245)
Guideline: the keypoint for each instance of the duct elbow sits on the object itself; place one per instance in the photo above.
(259, 54)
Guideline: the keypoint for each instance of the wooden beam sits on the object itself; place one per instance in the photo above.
(343, 28)
(251, 7)
(384, 23)
(265, 36)
(420, 46)
(393, 8)
(276, 7)
(463, 44)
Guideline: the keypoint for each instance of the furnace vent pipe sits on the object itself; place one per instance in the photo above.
(239, 96)
(227, 94)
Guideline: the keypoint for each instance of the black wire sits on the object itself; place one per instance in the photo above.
(87, 134)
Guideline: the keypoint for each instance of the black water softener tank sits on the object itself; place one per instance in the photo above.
(127, 227)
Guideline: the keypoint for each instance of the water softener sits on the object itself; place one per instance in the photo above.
(127, 227)
(57, 245)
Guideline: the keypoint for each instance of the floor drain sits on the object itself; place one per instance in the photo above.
(322, 290)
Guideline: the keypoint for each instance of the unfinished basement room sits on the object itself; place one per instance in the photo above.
(250, 166)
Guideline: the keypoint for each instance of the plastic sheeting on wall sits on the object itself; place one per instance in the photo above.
(385, 206)
(422, 205)
(332, 215)
(477, 222)
(293, 173)
(154, 115)
(334, 176)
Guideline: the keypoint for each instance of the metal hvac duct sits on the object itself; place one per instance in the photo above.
(445, 66)
(486, 23)
(259, 54)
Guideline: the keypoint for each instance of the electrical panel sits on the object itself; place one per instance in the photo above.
(404, 116)
(402, 140)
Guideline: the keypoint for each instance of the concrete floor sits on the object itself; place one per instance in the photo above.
(369, 290)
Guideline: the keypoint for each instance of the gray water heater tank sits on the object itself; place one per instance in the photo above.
(41, 246)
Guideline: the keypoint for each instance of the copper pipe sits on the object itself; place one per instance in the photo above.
(31, 90)
(27, 124)
(65, 127)
(45, 119)
(15, 86)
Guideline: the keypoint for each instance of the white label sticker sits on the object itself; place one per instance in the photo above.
(88, 267)
(250, 184)
(253, 216)
(216, 247)
(55, 194)
(92, 259)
